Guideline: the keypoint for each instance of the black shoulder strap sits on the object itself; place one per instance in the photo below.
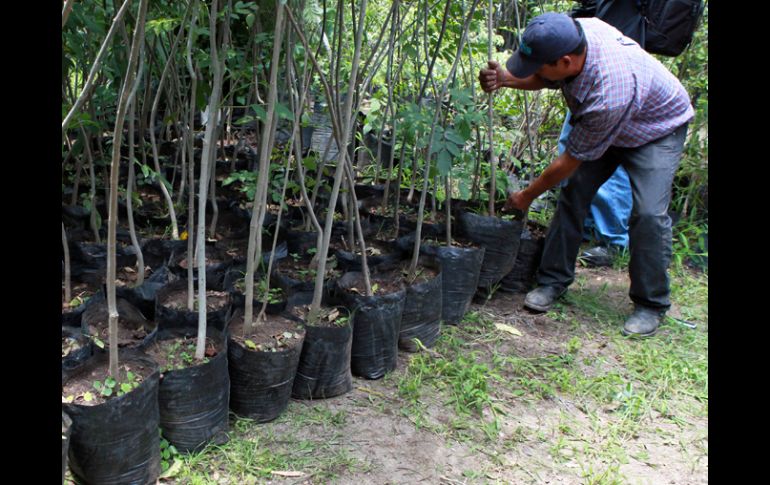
(642, 6)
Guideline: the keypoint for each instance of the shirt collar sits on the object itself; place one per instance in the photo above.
(579, 85)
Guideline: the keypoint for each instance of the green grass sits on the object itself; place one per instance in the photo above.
(458, 378)
(300, 414)
(255, 451)
(596, 391)
(651, 371)
(624, 386)
(689, 289)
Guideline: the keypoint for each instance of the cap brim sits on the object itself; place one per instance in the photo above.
(521, 66)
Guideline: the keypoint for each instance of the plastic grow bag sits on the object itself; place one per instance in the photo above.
(193, 401)
(66, 428)
(76, 357)
(215, 272)
(168, 317)
(129, 318)
(324, 365)
(376, 323)
(158, 252)
(143, 296)
(521, 279)
(238, 298)
(421, 318)
(117, 442)
(460, 269)
(499, 237)
(261, 382)
(351, 261)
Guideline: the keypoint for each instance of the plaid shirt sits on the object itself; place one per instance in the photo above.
(623, 97)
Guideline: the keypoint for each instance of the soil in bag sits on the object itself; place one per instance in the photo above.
(171, 307)
(114, 438)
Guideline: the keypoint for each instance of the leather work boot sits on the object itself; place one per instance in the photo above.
(596, 257)
(644, 322)
(541, 298)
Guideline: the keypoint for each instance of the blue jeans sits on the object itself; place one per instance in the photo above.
(607, 219)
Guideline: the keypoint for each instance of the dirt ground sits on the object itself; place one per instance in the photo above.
(599, 409)
(376, 435)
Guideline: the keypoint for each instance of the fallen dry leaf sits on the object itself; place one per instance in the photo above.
(508, 328)
(287, 474)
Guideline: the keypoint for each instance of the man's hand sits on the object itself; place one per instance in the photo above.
(517, 200)
(491, 79)
(561, 168)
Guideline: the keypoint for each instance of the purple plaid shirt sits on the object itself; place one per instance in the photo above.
(624, 97)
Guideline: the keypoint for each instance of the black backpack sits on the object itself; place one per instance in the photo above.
(670, 24)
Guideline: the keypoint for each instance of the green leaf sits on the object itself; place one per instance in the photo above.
(283, 112)
(287, 334)
(98, 220)
(200, 95)
(250, 20)
(130, 376)
(172, 470)
(463, 128)
(110, 382)
(98, 342)
(250, 344)
(244, 120)
(107, 392)
(436, 146)
(465, 189)
(97, 385)
(452, 135)
(453, 149)
(157, 26)
(444, 162)
(165, 182)
(260, 112)
(126, 387)
(88, 397)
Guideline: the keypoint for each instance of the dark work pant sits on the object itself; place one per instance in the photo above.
(651, 169)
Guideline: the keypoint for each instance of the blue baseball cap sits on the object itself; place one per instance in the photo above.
(546, 39)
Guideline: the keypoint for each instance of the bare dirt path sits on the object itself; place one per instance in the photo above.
(506, 397)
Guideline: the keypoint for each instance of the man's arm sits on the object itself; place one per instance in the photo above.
(562, 167)
(495, 77)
